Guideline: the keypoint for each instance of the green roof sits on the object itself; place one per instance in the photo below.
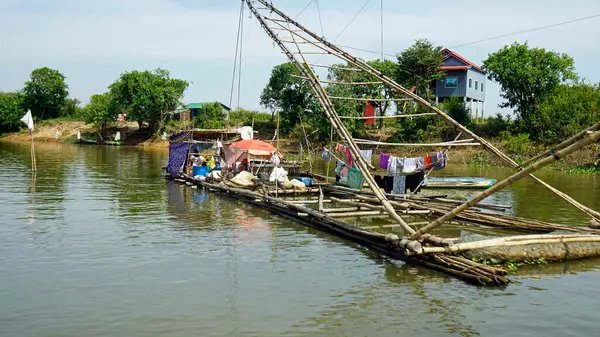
(199, 105)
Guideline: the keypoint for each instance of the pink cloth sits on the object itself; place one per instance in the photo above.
(349, 156)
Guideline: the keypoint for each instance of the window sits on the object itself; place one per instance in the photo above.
(451, 82)
(481, 87)
(476, 86)
(470, 83)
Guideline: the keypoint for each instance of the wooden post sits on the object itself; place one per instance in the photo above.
(329, 112)
(334, 50)
(588, 139)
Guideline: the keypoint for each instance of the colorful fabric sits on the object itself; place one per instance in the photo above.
(428, 162)
(355, 179)
(367, 154)
(348, 156)
(339, 147)
(178, 153)
(399, 186)
(369, 112)
(384, 160)
(326, 155)
(410, 165)
(395, 165)
(421, 164)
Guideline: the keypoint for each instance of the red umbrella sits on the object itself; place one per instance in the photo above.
(254, 147)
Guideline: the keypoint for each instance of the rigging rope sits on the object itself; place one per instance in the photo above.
(235, 61)
(320, 20)
(241, 50)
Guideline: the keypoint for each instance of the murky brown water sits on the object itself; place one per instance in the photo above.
(100, 245)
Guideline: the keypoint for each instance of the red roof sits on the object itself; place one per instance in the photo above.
(454, 67)
(449, 53)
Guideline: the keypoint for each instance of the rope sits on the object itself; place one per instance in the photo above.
(237, 44)
(320, 20)
(241, 50)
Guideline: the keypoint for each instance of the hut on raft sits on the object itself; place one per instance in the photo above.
(457, 237)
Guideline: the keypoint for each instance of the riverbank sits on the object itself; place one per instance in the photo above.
(583, 161)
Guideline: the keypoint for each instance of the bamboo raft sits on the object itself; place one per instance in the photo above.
(415, 232)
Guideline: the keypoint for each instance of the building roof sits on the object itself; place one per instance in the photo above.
(468, 64)
(454, 67)
(199, 105)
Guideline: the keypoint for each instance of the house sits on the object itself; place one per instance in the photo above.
(192, 109)
(462, 79)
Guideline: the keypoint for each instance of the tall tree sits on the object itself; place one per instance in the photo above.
(100, 111)
(210, 116)
(289, 95)
(569, 110)
(11, 111)
(527, 76)
(45, 92)
(419, 65)
(147, 96)
(340, 73)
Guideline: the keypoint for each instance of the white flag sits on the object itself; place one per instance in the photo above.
(27, 119)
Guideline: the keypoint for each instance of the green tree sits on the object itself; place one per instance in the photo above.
(527, 76)
(11, 111)
(45, 93)
(419, 66)
(71, 109)
(291, 97)
(340, 73)
(100, 111)
(569, 110)
(457, 109)
(147, 96)
(210, 116)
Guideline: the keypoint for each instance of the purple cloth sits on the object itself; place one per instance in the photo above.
(383, 160)
(178, 151)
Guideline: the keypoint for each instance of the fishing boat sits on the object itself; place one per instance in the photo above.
(460, 182)
(87, 140)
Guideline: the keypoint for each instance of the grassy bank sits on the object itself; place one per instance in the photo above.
(46, 131)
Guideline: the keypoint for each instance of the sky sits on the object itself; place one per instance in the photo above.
(92, 42)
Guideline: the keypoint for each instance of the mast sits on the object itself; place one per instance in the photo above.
(300, 35)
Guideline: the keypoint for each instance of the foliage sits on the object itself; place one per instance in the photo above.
(495, 126)
(11, 111)
(100, 111)
(291, 96)
(45, 93)
(210, 116)
(527, 76)
(262, 122)
(457, 109)
(147, 96)
(569, 110)
(71, 109)
(516, 145)
(375, 90)
(419, 65)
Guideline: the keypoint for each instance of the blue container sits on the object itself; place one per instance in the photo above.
(200, 171)
(306, 180)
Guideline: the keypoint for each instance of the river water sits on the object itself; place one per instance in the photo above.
(99, 244)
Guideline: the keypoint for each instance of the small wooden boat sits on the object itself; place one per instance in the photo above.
(84, 140)
(459, 182)
(112, 142)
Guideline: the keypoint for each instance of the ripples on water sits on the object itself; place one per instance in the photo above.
(100, 245)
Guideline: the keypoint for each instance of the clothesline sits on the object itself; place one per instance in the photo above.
(386, 117)
(453, 143)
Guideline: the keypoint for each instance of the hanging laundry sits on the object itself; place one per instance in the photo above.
(348, 156)
(414, 180)
(399, 186)
(410, 165)
(420, 164)
(367, 154)
(396, 165)
(384, 160)
(339, 147)
(326, 155)
(369, 112)
(428, 162)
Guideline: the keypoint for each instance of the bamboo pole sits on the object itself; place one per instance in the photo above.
(508, 242)
(430, 171)
(588, 139)
(371, 99)
(332, 116)
(389, 117)
(563, 144)
(322, 44)
(369, 142)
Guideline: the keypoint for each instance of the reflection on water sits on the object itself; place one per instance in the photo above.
(98, 244)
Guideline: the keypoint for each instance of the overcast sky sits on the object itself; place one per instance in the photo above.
(91, 42)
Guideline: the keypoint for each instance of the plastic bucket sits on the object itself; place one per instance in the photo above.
(200, 171)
